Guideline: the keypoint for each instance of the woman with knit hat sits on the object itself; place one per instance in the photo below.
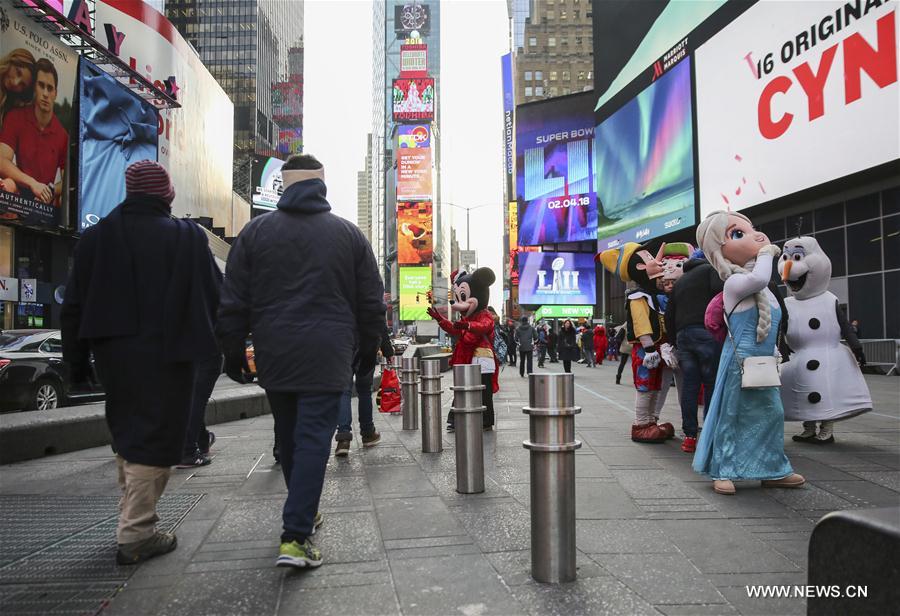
(743, 434)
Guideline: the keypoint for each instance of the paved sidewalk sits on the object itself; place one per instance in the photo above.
(652, 536)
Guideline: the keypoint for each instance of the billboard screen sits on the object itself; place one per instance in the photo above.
(37, 121)
(415, 282)
(644, 163)
(778, 113)
(414, 60)
(413, 99)
(413, 136)
(550, 278)
(265, 179)
(290, 141)
(415, 240)
(110, 115)
(412, 17)
(196, 140)
(509, 109)
(553, 171)
(414, 174)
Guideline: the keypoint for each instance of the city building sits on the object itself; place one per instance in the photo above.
(552, 46)
(364, 193)
(254, 49)
(398, 23)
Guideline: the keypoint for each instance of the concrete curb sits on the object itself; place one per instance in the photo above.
(32, 434)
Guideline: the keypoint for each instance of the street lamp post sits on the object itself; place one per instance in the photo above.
(468, 209)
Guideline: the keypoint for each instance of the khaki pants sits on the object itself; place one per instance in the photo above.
(141, 487)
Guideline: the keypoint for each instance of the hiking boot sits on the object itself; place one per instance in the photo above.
(808, 434)
(689, 444)
(342, 450)
(299, 555)
(139, 551)
(194, 460)
(618, 379)
(370, 440)
(317, 522)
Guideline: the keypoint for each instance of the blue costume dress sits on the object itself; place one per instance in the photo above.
(743, 433)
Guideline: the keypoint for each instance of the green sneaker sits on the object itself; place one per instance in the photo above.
(298, 555)
(317, 522)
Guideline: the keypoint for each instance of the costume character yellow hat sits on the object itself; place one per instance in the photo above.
(615, 260)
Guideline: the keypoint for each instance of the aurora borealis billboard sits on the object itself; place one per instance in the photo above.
(644, 163)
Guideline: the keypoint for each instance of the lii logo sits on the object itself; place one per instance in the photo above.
(563, 280)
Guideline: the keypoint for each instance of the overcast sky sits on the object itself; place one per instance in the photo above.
(338, 109)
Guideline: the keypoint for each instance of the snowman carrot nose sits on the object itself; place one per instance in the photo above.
(787, 270)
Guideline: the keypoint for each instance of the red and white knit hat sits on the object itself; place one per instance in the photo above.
(147, 177)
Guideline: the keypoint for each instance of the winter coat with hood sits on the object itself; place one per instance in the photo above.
(525, 337)
(305, 283)
(691, 294)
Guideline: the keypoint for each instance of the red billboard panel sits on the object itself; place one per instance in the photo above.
(414, 99)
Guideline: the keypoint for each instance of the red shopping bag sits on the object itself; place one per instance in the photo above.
(389, 392)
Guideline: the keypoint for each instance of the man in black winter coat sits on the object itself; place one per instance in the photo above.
(696, 349)
(142, 297)
(306, 283)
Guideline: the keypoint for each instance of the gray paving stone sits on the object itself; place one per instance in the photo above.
(862, 493)
(249, 592)
(386, 456)
(602, 499)
(515, 567)
(718, 609)
(266, 481)
(627, 455)
(887, 479)
(622, 537)
(465, 584)
(817, 470)
(407, 518)
(661, 578)
(375, 599)
(338, 577)
(496, 525)
(445, 484)
(590, 466)
(395, 481)
(751, 501)
(594, 596)
(810, 497)
(256, 519)
(350, 537)
(754, 606)
(651, 484)
(345, 492)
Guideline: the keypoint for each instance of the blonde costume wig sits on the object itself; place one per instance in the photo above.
(711, 238)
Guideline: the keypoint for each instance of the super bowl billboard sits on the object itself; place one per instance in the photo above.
(795, 94)
(550, 278)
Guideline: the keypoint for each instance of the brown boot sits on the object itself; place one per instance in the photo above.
(650, 433)
(139, 551)
(791, 481)
(724, 486)
(668, 429)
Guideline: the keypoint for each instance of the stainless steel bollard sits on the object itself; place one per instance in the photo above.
(409, 392)
(431, 406)
(467, 418)
(552, 410)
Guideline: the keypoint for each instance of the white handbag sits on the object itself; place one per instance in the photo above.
(757, 371)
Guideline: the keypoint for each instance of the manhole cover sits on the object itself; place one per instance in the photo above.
(58, 552)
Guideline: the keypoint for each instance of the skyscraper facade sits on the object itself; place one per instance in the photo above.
(254, 49)
(552, 45)
(364, 193)
(409, 24)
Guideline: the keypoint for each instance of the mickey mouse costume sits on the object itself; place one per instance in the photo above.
(474, 333)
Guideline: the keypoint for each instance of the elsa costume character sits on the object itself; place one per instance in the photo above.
(743, 434)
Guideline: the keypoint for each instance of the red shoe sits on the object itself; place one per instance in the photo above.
(651, 433)
(668, 429)
(689, 444)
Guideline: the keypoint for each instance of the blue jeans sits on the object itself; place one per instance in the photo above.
(363, 410)
(698, 357)
(304, 424)
(208, 371)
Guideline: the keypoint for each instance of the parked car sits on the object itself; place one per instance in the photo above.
(33, 375)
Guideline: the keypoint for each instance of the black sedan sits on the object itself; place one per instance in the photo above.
(33, 375)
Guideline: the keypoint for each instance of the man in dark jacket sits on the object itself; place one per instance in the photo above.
(364, 376)
(306, 283)
(696, 349)
(525, 339)
(142, 296)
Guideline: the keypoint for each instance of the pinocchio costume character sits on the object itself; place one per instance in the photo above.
(645, 329)
(474, 333)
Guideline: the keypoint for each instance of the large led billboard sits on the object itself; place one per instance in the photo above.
(413, 136)
(414, 174)
(644, 163)
(414, 283)
(266, 183)
(413, 99)
(795, 94)
(412, 18)
(415, 239)
(37, 121)
(553, 171)
(550, 278)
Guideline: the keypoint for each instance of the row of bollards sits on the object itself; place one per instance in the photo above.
(551, 410)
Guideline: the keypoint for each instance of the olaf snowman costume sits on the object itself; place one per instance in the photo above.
(822, 382)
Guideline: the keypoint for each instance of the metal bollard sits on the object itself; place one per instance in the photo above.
(467, 417)
(431, 406)
(552, 410)
(409, 392)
